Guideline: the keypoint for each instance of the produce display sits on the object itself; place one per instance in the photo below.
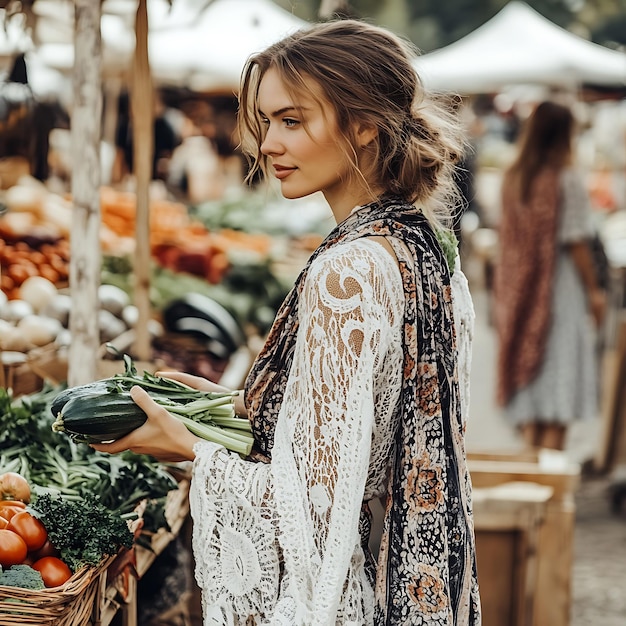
(26, 258)
(40, 314)
(64, 506)
(44, 541)
(104, 410)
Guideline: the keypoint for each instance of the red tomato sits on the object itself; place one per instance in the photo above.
(15, 503)
(46, 550)
(53, 571)
(30, 529)
(9, 511)
(3, 523)
(13, 548)
(14, 486)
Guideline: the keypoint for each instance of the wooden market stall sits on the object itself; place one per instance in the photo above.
(96, 595)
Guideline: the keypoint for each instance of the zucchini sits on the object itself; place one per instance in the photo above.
(104, 410)
(61, 399)
(94, 416)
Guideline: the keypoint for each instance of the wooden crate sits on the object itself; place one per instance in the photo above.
(552, 601)
(17, 375)
(508, 520)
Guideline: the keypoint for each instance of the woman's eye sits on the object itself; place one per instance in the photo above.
(265, 121)
(290, 123)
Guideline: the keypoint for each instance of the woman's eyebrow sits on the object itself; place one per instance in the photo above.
(282, 111)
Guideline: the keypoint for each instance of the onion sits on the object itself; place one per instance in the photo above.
(39, 330)
(15, 310)
(14, 486)
(113, 299)
(38, 292)
(130, 315)
(12, 339)
(59, 308)
(110, 326)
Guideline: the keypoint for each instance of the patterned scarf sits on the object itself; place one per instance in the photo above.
(426, 570)
(523, 282)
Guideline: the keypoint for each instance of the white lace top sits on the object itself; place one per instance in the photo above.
(279, 543)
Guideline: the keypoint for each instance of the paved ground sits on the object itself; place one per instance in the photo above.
(599, 570)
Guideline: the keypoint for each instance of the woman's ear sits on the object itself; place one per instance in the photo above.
(365, 134)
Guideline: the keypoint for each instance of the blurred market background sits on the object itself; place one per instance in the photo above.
(124, 219)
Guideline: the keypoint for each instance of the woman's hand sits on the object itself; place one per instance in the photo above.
(161, 436)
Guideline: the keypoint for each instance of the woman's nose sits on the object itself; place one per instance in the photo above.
(271, 144)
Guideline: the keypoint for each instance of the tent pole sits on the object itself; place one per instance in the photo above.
(85, 252)
(142, 106)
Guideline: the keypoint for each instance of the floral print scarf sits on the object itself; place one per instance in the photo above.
(524, 281)
(426, 570)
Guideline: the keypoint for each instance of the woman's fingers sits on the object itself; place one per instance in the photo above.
(197, 382)
(119, 445)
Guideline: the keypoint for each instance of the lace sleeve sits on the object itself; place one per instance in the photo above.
(279, 542)
(323, 437)
(234, 536)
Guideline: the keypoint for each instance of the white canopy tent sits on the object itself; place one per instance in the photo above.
(191, 44)
(520, 46)
(210, 55)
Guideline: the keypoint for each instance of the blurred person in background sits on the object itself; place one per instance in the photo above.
(165, 139)
(547, 296)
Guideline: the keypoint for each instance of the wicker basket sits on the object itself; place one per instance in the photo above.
(73, 604)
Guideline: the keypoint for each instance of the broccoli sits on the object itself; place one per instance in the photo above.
(23, 576)
(88, 532)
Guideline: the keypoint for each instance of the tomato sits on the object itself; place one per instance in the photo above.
(46, 550)
(13, 548)
(9, 511)
(14, 486)
(16, 503)
(3, 523)
(53, 571)
(30, 529)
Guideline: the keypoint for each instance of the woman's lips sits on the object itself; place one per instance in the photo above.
(282, 172)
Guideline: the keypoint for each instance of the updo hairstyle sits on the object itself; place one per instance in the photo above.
(365, 73)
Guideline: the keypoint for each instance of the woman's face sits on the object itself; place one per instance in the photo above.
(303, 146)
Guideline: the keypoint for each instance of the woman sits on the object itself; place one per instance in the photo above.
(546, 285)
(355, 395)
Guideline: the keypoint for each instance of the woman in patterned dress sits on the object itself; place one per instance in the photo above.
(546, 292)
(360, 392)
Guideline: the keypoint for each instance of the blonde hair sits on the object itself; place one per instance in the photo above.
(365, 73)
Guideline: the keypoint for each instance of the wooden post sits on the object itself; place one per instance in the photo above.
(612, 446)
(85, 252)
(142, 103)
